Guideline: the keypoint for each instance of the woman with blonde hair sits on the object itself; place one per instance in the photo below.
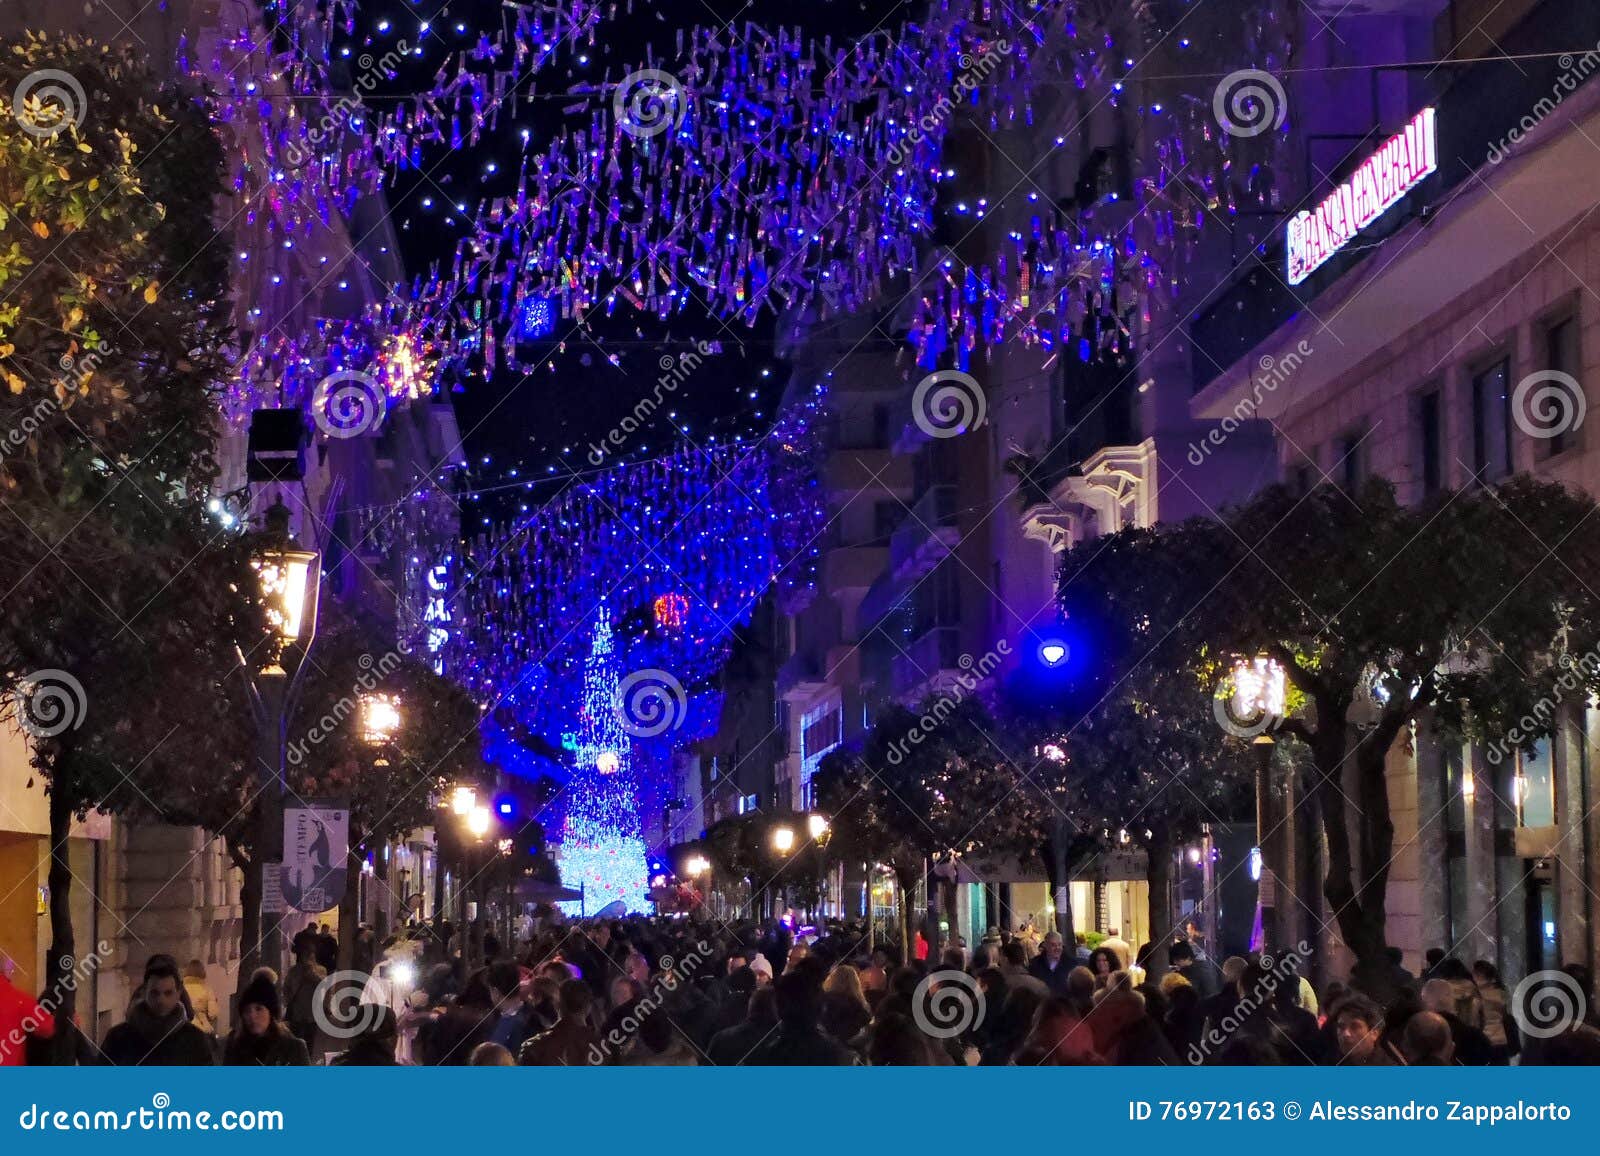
(201, 998)
(845, 1012)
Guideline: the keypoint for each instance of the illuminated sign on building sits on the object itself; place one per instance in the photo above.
(1394, 170)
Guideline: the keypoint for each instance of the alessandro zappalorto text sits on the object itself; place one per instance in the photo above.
(1317, 1111)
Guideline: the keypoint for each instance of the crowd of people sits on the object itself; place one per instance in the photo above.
(677, 992)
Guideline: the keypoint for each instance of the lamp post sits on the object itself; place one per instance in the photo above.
(379, 718)
(289, 581)
(698, 866)
(1259, 695)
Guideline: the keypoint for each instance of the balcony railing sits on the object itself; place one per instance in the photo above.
(932, 516)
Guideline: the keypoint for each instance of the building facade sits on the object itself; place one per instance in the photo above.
(1417, 343)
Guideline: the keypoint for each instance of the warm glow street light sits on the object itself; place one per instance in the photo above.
(783, 840)
(463, 801)
(1258, 690)
(817, 826)
(380, 718)
(696, 866)
(478, 822)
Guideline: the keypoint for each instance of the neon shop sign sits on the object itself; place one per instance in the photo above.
(1398, 166)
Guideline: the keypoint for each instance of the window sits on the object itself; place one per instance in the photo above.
(1561, 356)
(1351, 464)
(1428, 441)
(1491, 423)
(820, 731)
(749, 803)
(1534, 788)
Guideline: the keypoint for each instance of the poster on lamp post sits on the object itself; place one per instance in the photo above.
(316, 847)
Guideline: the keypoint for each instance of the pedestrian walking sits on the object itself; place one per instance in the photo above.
(261, 1038)
(157, 1032)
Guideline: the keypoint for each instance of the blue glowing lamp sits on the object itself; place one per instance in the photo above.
(1053, 652)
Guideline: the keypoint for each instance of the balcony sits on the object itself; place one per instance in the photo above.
(918, 669)
(928, 532)
(801, 676)
(853, 567)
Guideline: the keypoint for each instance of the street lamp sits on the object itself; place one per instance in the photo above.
(1259, 694)
(478, 820)
(816, 826)
(783, 840)
(380, 719)
(288, 581)
(463, 801)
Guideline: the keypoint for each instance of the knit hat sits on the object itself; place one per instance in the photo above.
(761, 965)
(263, 993)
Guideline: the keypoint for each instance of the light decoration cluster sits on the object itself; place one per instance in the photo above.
(805, 175)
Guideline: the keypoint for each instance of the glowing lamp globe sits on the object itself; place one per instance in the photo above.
(1052, 652)
(463, 800)
(783, 840)
(817, 826)
(478, 822)
(380, 718)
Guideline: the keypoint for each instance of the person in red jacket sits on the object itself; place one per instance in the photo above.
(20, 1017)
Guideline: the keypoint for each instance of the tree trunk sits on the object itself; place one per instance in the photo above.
(249, 914)
(1358, 909)
(350, 901)
(947, 893)
(1158, 898)
(1060, 875)
(907, 890)
(60, 961)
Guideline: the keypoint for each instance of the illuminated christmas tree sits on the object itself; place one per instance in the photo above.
(602, 849)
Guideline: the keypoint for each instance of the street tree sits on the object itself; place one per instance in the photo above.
(113, 335)
(1472, 607)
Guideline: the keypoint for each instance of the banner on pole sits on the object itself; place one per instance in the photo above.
(316, 847)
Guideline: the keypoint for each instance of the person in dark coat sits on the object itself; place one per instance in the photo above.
(261, 1038)
(733, 1046)
(571, 1042)
(373, 1048)
(800, 1040)
(451, 1037)
(157, 1032)
(1050, 967)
